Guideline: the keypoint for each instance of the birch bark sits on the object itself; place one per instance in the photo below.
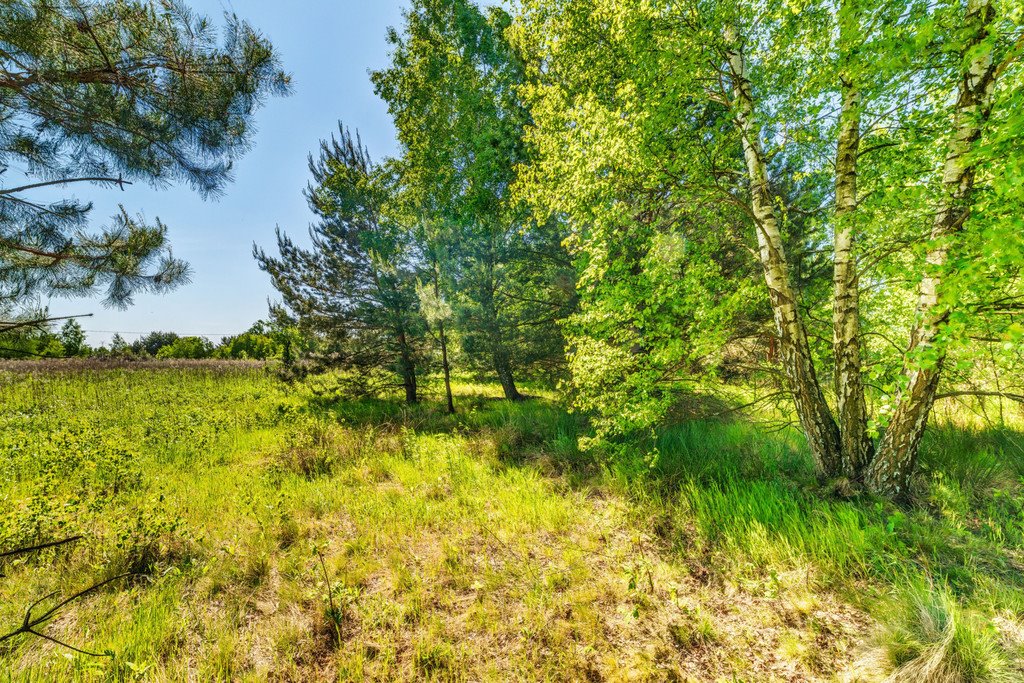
(889, 473)
(856, 448)
(813, 412)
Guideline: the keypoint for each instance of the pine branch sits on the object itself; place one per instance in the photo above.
(67, 181)
(10, 326)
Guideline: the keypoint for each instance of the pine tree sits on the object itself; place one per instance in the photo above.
(118, 346)
(107, 92)
(355, 288)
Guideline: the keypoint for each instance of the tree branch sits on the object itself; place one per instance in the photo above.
(30, 623)
(10, 326)
(41, 546)
(953, 394)
(67, 181)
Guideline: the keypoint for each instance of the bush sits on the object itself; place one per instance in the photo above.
(250, 346)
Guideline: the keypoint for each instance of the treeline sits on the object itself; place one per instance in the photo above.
(420, 258)
(262, 341)
(821, 199)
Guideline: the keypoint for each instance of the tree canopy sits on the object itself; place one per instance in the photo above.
(687, 144)
(109, 92)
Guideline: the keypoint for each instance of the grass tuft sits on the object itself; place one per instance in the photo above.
(928, 637)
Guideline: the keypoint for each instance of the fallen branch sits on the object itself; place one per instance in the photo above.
(30, 623)
(41, 546)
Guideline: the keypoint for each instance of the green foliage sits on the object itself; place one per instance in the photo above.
(31, 342)
(250, 345)
(636, 148)
(355, 288)
(107, 92)
(72, 338)
(151, 343)
(453, 91)
(187, 348)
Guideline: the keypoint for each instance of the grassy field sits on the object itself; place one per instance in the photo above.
(272, 532)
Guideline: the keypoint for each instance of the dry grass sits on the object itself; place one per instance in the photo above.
(454, 549)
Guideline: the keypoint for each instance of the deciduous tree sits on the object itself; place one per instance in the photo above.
(905, 111)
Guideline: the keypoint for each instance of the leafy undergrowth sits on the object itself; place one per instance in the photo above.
(278, 534)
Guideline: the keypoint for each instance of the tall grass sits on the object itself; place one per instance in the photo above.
(483, 542)
(927, 635)
(742, 504)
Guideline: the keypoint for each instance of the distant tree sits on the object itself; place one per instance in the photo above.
(72, 337)
(153, 342)
(438, 314)
(49, 346)
(257, 343)
(106, 92)
(355, 287)
(28, 342)
(119, 347)
(193, 348)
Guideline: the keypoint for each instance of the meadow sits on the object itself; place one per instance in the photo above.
(253, 530)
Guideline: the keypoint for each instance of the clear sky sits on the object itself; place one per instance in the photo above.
(328, 46)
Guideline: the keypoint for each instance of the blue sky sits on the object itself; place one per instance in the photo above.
(328, 47)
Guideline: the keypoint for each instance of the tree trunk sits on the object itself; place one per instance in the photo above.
(856, 448)
(450, 403)
(444, 350)
(407, 368)
(503, 366)
(499, 352)
(892, 468)
(815, 417)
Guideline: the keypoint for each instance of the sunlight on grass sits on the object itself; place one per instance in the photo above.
(280, 533)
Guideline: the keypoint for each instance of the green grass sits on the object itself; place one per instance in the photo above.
(743, 506)
(279, 532)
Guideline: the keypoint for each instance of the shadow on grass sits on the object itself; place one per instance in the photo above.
(728, 493)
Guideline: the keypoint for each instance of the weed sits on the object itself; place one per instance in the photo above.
(693, 630)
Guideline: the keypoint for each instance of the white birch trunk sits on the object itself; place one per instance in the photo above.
(856, 448)
(889, 474)
(815, 417)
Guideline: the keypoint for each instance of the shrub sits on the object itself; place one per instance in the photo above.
(192, 348)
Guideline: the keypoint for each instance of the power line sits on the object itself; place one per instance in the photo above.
(185, 334)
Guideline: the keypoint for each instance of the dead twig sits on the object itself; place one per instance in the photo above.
(30, 623)
(41, 546)
(335, 615)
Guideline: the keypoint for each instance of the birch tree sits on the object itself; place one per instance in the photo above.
(899, 110)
